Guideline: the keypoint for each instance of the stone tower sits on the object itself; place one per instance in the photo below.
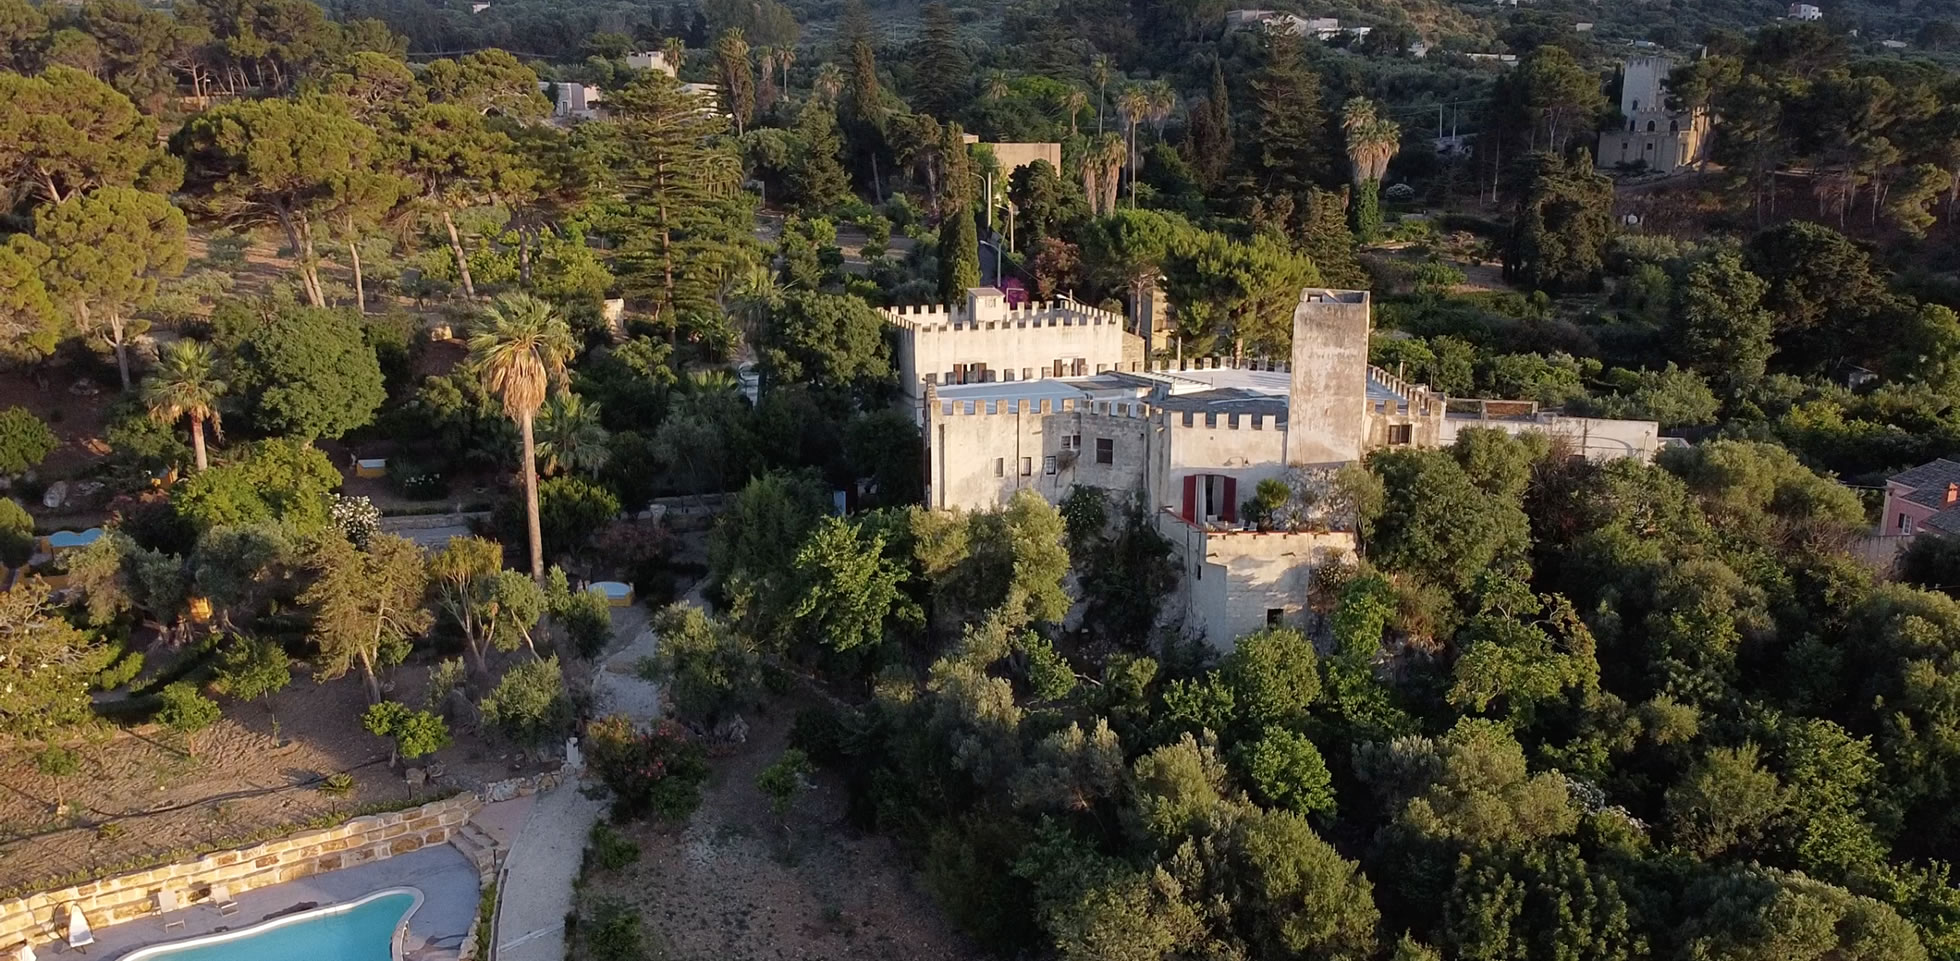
(1326, 411)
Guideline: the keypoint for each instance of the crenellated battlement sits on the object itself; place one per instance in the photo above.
(1417, 399)
(1219, 363)
(937, 318)
(1212, 420)
(1123, 409)
(1134, 409)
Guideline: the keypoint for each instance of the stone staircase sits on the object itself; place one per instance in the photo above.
(482, 850)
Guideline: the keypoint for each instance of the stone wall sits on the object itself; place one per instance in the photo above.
(979, 449)
(1233, 579)
(38, 918)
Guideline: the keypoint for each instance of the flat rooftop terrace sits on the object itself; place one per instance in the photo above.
(1209, 389)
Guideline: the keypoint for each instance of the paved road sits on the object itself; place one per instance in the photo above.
(536, 892)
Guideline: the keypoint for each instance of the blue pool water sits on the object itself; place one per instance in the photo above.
(362, 930)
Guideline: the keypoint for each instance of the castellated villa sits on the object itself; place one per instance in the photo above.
(1047, 396)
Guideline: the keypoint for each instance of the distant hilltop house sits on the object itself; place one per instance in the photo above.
(1925, 498)
(1661, 139)
(1324, 28)
(583, 101)
(1044, 397)
(1804, 11)
(650, 60)
(572, 101)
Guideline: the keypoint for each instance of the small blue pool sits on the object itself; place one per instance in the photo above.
(361, 930)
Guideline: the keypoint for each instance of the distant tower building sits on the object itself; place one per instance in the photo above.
(1654, 137)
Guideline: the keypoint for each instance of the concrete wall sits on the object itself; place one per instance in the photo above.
(1597, 438)
(1014, 156)
(1330, 377)
(130, 896)
(1010, 340)
(968, 438)
(1232, 578)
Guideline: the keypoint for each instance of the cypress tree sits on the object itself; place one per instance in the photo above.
(959, 255)
(1208, 147)
(819, 179)
(943, 66)
(956, 174)
(1290, 135)
(1326, 241)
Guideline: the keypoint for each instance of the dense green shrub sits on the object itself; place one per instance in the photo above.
(529, 705)
(650, 773)
(24, 441)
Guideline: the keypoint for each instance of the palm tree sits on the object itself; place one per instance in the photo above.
(519, 358)
(674, 51)
(785, 56)
(1134, 104)
(756, 294)
(1099, 70)
(996, 86)
(570, 437)
(1099, 173)
(1372, 139)
(186, 385)
(830, 81)
(708, 383)
(1072, 103)
(765, 84)
(1163, 100)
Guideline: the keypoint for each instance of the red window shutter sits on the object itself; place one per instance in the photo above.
(1191, 498)
(1229, 511)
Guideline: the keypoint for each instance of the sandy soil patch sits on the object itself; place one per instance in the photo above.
(736, 884)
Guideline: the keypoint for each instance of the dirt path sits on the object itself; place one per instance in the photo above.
(537, 889)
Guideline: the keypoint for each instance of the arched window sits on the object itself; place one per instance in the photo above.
(1650, 126)
(1674, 126)
(1636, 106)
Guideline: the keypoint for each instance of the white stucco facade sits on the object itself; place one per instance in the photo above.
(988, 340)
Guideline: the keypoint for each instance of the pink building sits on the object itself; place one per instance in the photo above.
(1926, 497)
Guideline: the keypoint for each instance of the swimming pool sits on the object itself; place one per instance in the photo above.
(359, 930)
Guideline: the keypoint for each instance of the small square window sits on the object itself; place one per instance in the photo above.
(1275, 616)
(1027, 373)
(1027, 467)
(1400, 434)
(1000, 467)
(1105, 450)
(1048, 464)
(1071, 441)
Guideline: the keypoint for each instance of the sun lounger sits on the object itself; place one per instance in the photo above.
(221, 896)
(79, 935)
(167, 903)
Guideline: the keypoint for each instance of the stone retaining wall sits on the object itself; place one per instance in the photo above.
(40, 918)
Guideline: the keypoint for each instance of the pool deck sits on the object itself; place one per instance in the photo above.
(447, 880)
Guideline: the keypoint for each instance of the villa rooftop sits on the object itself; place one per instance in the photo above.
(1213, 389)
